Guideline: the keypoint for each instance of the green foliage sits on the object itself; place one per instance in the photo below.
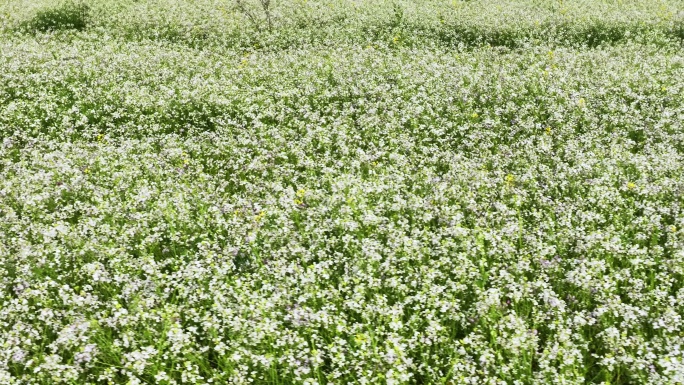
(69, 15)
(378, 192)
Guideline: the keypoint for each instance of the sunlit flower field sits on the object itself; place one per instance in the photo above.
(342, 192)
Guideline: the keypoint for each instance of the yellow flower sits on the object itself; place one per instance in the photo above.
(474, 115)
(631, 185)
(509, 179)
(582, 102)
(673, 228)
(185, 158)
(299, 200)
(548, 130)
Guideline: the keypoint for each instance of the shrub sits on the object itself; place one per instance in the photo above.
(68, 15)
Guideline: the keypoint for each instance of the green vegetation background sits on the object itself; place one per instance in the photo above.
(425, 192)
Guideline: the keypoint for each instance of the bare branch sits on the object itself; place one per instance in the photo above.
(266, 6)
(242, 7)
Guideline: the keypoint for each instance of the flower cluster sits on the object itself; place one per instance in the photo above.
(386, 208)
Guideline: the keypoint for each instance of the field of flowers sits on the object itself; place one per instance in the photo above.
(342, 192)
